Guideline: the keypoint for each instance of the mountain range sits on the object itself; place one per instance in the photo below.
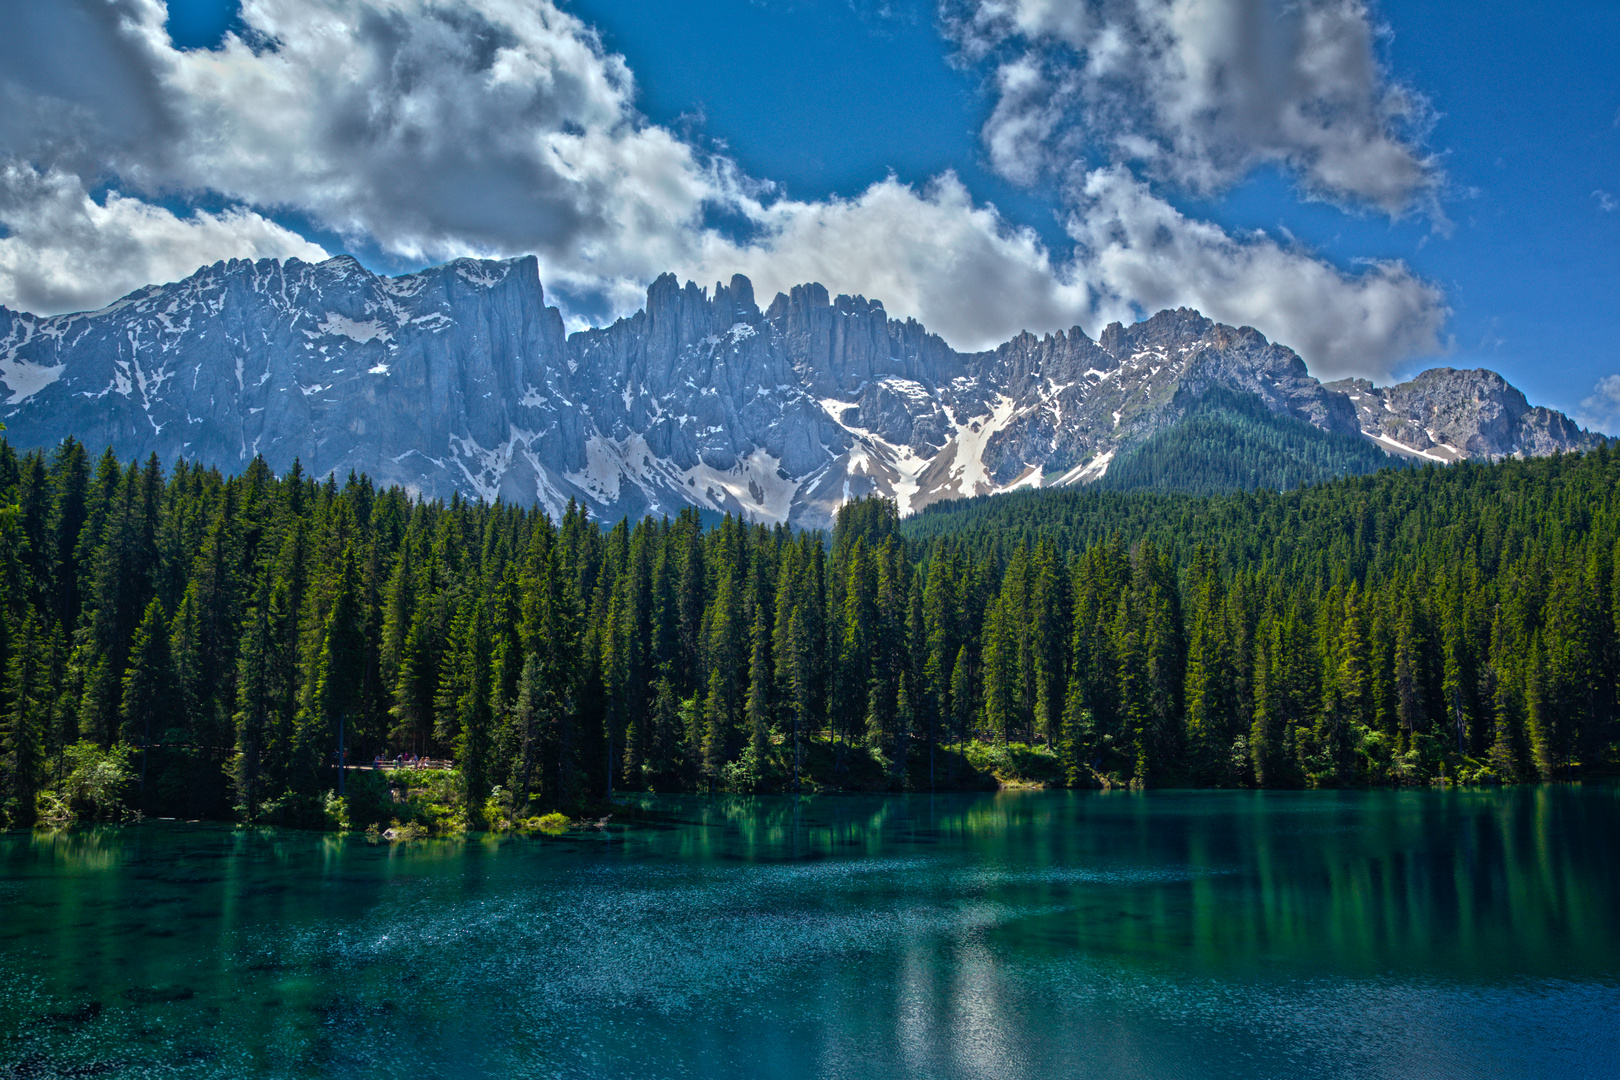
(461, 379)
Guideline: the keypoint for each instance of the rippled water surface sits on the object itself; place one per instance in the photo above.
(1038, 934)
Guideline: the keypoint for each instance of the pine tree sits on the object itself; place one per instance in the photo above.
(614, 664)
(334, 679)
(724, 659)
(149, 698)
(472, 706)
(1079, 745)
(791, 648)
(254, 702)
(663, 756)
(399, 603)
(1265, 749)
(940, 621)
(963, 695)
(1347, 709)
(32, 512)
(852, 671)
(1050, 626)
(28, 696)
(1135, 696)
(551, 631)
(759, 706)
(1209, 681)
(1000, 652)
(526, 722)
(191, 690)
(70, 483)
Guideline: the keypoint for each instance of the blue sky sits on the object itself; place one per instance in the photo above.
(1527, 104)
(1435, 184)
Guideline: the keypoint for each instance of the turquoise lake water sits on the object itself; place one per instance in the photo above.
(1020, 934)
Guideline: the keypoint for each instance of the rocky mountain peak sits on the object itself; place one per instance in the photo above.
(460, 378)
(1447, 415)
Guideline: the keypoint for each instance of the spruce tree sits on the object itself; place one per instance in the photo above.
(254, 702)
(28, 697)
(70, 483)
(150, 700)
(526, 723)
(334, 681)
(758, 708)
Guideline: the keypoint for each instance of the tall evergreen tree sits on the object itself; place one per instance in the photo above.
(26, 715)
(149, 698)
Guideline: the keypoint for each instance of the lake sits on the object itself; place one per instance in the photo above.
(1019, 934)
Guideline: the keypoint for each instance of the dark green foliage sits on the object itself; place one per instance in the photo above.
(225, 636)
(28, 694)
(1228, 441)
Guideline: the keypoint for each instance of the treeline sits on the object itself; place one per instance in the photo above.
(223, 637)
(1227, 441)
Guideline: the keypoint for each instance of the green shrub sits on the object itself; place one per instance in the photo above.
(369, 799)
(433, 799)
(743, 776)
(93, 789)
(1016, 764)
(335, 809)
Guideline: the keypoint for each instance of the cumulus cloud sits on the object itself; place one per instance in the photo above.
(934, 255)
(431, 129)
(1600, 411)
(440, 130)
(1198, 92)
(962, 271)
(63, 251)
(1141, 253)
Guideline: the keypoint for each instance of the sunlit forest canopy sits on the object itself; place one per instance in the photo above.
(181, 642)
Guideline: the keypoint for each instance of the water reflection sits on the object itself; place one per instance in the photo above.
(1514, 881)
(1014, 934)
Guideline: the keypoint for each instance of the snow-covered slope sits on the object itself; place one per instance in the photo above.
(460, 378)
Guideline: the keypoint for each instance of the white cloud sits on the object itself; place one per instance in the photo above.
(1198, 92)
(1030, 116)
(1606, 201)
(1141, 252)
(502, 127)
(436, 130)
(963, 272)
(1600, 411)
(432, 130)
(65, 252)
(933, 255)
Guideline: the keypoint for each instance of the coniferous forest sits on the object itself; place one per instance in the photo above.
(181, 643)
(1228, 441)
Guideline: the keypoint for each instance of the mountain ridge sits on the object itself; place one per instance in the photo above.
(459, 378)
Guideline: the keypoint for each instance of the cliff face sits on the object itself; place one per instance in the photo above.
(1448, 415)
(406, 378)
(1074, 402)
(460, 378)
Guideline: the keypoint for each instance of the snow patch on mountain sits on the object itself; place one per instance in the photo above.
(362, 332)
(968, 469)
(460, 378)
(25, 379)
